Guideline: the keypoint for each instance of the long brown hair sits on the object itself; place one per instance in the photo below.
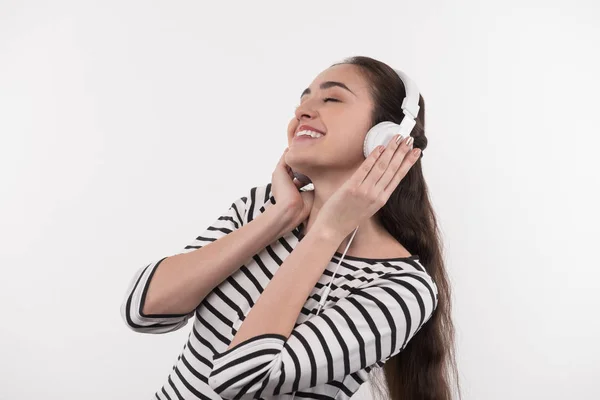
(425, 368)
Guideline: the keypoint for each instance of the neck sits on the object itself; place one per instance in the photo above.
(368, 231)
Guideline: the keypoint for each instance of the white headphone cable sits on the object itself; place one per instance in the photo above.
(328, 288)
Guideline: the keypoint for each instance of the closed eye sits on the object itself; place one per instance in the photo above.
(324, 101)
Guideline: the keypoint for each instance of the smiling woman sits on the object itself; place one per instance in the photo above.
(368, 92)
(254, 280)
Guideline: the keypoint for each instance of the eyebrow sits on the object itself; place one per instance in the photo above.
(328, 84)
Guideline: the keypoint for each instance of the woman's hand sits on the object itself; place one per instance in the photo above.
(285, 189)
(367, 190)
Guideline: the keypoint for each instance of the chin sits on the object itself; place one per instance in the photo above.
(300, 160)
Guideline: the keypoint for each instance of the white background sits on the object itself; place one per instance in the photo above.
(127, 127)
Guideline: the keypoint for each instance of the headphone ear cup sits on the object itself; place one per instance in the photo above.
(380, 134)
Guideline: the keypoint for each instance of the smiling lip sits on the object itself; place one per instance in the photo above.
(304, 127)
(304, 137)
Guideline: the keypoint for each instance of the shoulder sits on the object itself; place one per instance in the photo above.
(389, 247)
(411, 274)
(398, 261)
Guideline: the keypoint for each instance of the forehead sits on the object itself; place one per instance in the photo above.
(345, 73)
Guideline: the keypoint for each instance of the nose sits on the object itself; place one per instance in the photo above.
(305, 110)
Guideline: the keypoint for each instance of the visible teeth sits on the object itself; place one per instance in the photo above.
(309, 133)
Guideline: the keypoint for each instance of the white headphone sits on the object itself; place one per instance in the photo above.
(381, 134)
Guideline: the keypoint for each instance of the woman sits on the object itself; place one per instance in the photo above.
(254, 279)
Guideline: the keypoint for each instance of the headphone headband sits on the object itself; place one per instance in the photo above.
(410, 103)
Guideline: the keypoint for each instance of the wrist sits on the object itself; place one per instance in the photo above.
(327, 233)
(283, 218)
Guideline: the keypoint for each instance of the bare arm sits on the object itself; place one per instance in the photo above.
(278, 307)
(181, 281)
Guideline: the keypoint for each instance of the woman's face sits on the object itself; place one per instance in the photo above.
(342, 114)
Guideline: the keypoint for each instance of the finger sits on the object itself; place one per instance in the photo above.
(281, 163)
(408, 161)
(382, 164)
(361, 172)
(282, 158)
(395, 163)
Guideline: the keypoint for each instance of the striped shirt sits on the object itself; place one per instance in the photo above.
(374, 308)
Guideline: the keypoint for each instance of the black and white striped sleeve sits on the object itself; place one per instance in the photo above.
(372, 324)
(131, 307)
